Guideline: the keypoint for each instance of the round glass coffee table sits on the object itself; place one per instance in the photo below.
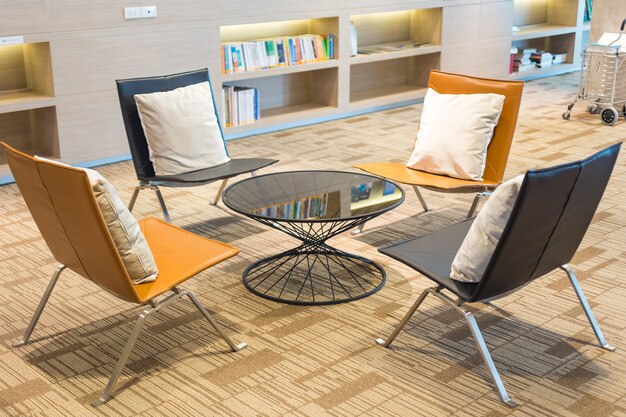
(313, 206)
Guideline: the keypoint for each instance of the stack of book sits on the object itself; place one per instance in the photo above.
(276, 52)
(521, 61)
(541, 59)
(390, 47)
(241, 105)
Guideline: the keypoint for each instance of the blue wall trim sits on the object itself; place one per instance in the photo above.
(329, 118)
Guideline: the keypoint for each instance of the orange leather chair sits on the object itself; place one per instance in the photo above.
(64, 208)
(497, 153)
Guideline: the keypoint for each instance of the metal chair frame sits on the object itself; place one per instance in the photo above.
(152, 307)
(476, 333)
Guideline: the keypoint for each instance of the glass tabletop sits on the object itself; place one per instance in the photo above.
(310, 196)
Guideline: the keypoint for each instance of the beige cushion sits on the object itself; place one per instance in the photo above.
(123, 227)
(181, 129)
(454, 133)
(471, 260)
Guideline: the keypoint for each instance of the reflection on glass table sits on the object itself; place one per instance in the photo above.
(313, 206)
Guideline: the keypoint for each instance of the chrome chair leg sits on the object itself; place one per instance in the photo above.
(421, 198)
(482, 346)
(166, 214)
(484, 352)
(476, 202)
(40, 307)
(218, 329)
(130, 343)
(478, 337)
(359, 229)
(405, 320)
(121, 362)
(253, 173)
(587, 308)
(220, 192)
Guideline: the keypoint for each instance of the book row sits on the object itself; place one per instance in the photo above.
(304, 208)
(241, 105)
(276, 52)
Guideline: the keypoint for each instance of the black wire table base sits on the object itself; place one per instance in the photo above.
(314, 273)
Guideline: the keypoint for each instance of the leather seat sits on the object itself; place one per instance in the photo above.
(148, 179)
(548, 221)
(497, 153)
(63, 206)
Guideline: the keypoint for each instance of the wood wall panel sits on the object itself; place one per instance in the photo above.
(607, 17)
(478, 48)
(485, 61)
(97, 14)
(18, 17)
(236, 9)
(94, 123)
(488, 21)
(92, 63)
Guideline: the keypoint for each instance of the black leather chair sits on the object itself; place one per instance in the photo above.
(549, 220)
(139, 147)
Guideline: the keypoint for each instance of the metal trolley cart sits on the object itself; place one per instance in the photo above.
(603, 81)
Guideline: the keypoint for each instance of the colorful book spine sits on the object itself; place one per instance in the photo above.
(262, 54)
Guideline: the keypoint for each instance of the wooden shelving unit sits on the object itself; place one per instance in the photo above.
(57, 89)
(27, 104)
(310, 91)
(555, 26)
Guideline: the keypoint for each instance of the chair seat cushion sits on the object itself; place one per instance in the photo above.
(230, 169)
(181, 129)
(454, 133)
(475, 252)
(432, 256)
(399, 172)
(179, 255)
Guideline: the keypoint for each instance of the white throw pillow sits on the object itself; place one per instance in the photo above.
(129, 241)
(471, 260)
(454, 133)
(181, 129)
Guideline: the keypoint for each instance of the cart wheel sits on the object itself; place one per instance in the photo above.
(593, 109)
(609, 116)
(566, 115)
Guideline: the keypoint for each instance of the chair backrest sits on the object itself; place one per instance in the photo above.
(126, 90)
(498, 152)
(549, 220)
(63, 205)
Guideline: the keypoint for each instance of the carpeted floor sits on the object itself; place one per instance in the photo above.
(318, 361)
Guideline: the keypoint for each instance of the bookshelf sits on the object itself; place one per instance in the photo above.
(27, 111)
(555, 26)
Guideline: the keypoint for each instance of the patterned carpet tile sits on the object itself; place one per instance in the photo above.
(322, 361)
